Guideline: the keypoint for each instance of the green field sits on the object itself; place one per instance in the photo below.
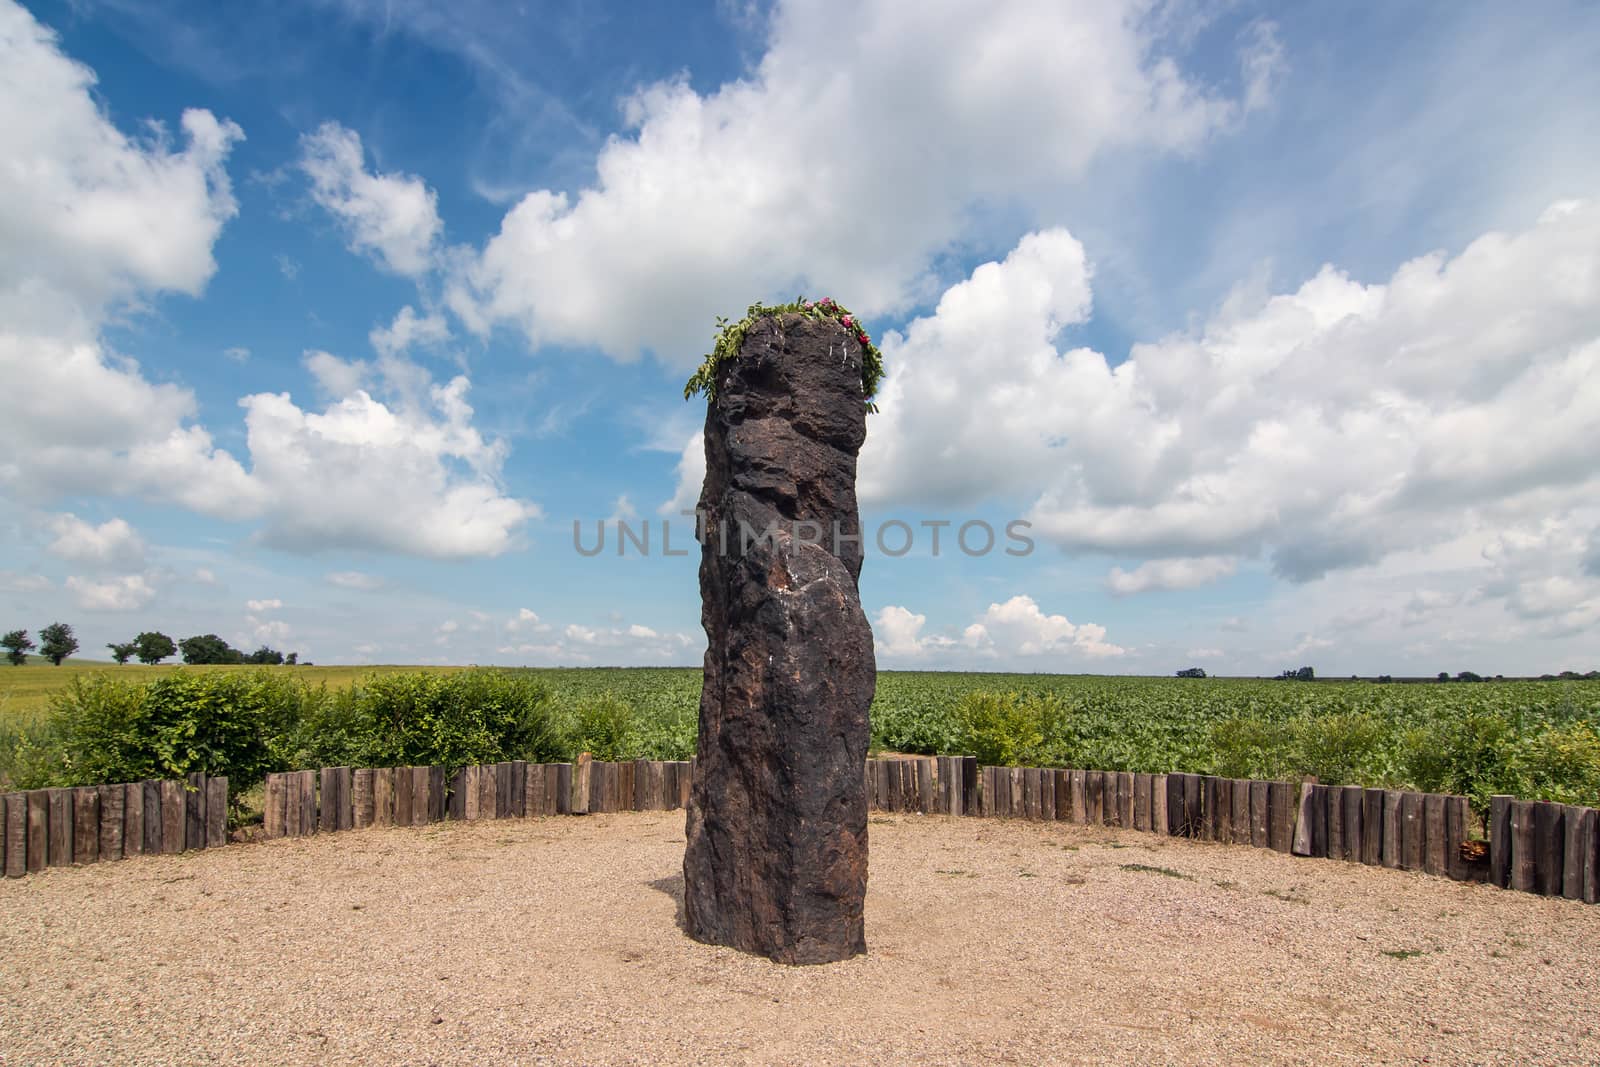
(1530, 738)
(25, 691)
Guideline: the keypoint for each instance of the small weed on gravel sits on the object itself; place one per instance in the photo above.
(1146, 868)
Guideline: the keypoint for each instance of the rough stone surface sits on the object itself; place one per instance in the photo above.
(776, 855)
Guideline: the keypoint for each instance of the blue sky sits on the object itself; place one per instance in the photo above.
(325, 319)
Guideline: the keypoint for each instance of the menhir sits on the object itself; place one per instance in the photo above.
(776, 858)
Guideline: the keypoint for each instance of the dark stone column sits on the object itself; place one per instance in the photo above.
(776, 856)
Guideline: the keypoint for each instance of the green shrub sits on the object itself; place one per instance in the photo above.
(1246, 747)
(1001, 729)
(1474, 756)
(1563, 764)
(422, 719)
(606, 727)
(1343, 748)
(178, 724)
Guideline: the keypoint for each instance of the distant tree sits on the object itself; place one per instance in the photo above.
(1444, 676)
(292, 659)
(124, 652)
(153, 646)
(265, 656)
(1469, 676)
(1192, 672)
(57, 642)
(209, 648)
(17, 644)
(1386, 678)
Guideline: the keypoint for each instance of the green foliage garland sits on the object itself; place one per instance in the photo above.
(730, 338)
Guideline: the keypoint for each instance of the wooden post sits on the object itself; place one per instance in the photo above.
(1574, 851)
(85, 824)
(502, 790)
(174, 816)
(1306, 831)
(39, 829)
(1219, 817)
(1500, 838)
(564, 787)
(1094, 784)
(328, 810)
(1175, 804)
(308, 802)
(132, 819)
(421, 795)
(554, 789)
(153, 819)
(1239, 810)
(60, 828)
(1281, 815)
(1457, 831)
(1372, 827)
(581, 774)
(1031, 784)
(361, 798)
(1193, 804)
(112, 814)
(1017, 810)
(404, 800)
(216, 812)
(272, 805)
(1210, 807)
(1393, 802)
(14, 832)
(383, 796)
(969, 785)
(1549, 843)
(1433, 837)
(1258, 815)
(1333, 796)
(1524, 874)
(1078, 796)
(436, 794)
(1141, 802)
(194, 811)
(1591, 863)
(1413, 832)
(1125, 799)
(1158, 804)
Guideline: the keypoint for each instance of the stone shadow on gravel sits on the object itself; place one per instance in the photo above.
(672, 886)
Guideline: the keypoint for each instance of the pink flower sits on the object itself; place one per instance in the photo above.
(865, 339)
(827, 301)
(846, 320)
(808, 305)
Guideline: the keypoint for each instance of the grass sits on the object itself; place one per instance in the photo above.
(25, 691)
(1147, 869)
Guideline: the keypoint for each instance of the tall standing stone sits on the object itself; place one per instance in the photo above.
(776, 856)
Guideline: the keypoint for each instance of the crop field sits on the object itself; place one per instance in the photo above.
(1528, 738)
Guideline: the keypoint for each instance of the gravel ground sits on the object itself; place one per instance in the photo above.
(555, 940)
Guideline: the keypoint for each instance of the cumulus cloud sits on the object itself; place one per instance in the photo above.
(1170, 574)
(691, 471)
(259, 606)
(707, 198)
(409, 330)
(113, 543)
(93, 217)
(1323, 428)
(392, 218)
(1015, 631)
(128, 592)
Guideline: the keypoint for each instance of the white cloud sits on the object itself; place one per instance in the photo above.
(408, 330)
(526, 621)
(642, 632)
(1019, 626)
(238, 353)
(92, 217)
(336, 378)
(691, 477)
(358, 580)
(1205, 653)
(1170, 574)
(1324, 428)
(1016, 632)
(393, 218)
(849, 158)
(113, 543)
(259, 606)
(125, 593)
